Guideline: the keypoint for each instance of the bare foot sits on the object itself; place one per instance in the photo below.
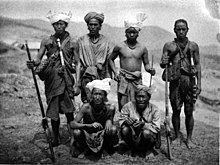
(150, 156)
(190, 144)
(176, 142)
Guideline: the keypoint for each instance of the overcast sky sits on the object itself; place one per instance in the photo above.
(162, 13)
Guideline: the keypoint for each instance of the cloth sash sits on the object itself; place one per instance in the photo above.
(129, 82)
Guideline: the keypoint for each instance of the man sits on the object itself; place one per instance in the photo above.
(140, 121)
(58, 79)
(94, 50)
(97, 130)
(131, 55)
(179, 52)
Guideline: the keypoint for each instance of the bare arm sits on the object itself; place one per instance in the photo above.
(37, 60)
(165, 58)
(112, 57)
(41, 52)
(147, 66)
(109, 122)
(76, 123)
(197, 65)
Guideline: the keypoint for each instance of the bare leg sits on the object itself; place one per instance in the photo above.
(189, 122)
(55, 127)
(176, 126)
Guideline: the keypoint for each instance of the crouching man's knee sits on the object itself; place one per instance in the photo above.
(77, 133)
(125, 131)
(149, 136)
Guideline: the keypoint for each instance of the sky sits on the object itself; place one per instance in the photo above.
(161, 13)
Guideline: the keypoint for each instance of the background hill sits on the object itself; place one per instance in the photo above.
(153, 37)
(34, 29)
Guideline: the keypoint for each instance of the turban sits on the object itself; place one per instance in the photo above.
(91, 15)
(100, 84)
(57, 16)
(138, 24)
(144, 88)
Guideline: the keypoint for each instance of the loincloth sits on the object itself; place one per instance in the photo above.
(95, 140)
(129, 82)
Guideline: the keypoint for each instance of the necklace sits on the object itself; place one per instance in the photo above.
(130, 46)
(94, 39)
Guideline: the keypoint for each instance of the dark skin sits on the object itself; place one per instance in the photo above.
(59, 28)
(94, 27)
(142, 101)
(181, 30)
(131, 54)
(98, 97)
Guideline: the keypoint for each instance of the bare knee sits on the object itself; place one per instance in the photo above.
(148, 135)
(114, 130)
(77, 133)
(125, 130)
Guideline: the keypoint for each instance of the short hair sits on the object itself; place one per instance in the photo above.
(181, 20)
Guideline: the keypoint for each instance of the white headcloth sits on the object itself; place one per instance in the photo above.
(100, 84)
(138, 24)
(55, 16)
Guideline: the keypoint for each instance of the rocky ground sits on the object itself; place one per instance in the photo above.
(22, 139)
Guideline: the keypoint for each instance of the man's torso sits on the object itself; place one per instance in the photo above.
(131, 59)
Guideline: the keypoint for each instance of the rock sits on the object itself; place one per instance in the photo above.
(26, 159)
(45, 161)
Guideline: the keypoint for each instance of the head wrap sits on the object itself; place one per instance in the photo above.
(54, 16)
(91, 15)
(100, 84)
(144, 88)
(138, 24)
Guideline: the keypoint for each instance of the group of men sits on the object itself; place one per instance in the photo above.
(91, 59)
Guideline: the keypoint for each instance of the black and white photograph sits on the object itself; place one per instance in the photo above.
(109, 82)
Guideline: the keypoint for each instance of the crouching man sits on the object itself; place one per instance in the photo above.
(140, 122)
(96, 131)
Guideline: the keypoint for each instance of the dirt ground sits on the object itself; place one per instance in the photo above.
(22, 140)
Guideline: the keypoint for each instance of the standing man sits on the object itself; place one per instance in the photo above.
(179, 52)
(58, 79)
(140, 121)
(131, 55)
(94, 50)
(97, 129)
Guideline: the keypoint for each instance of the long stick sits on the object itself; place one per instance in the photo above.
(152, 64)
(44, 120)
(167, 125)
(194, 82)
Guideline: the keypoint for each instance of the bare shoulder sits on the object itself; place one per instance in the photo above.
(85, 108)
(110, 106)
(118, 46)
(193, 45)
(142, 46)
(46, 40)
(169, 44)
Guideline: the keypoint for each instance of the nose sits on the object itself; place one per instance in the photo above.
(59, 26)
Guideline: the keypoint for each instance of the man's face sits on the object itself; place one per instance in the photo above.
(59, 27)
(181, 30)
(142, 99)
(131, 34)
(98, 96)
(94, 26)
